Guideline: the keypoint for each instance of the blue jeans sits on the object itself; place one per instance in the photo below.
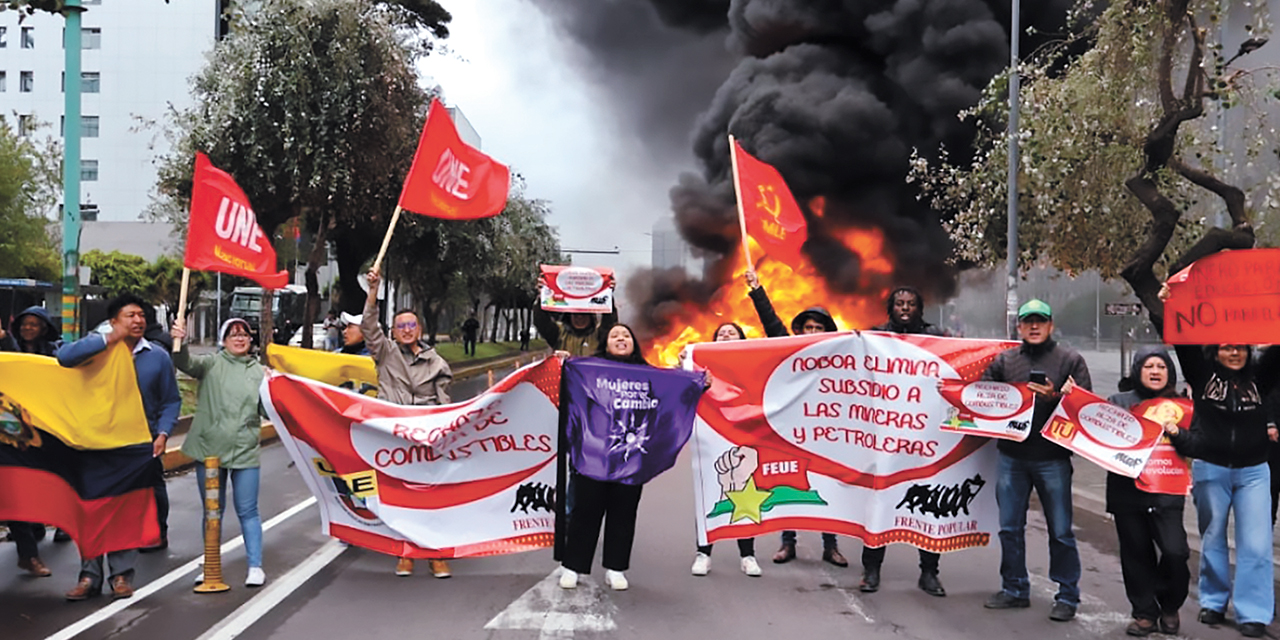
(244, 493)
(1052, 482)
(1246, 491)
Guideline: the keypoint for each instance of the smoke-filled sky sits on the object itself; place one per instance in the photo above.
(616, 110)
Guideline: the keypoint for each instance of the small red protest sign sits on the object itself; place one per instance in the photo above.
(1229, 297)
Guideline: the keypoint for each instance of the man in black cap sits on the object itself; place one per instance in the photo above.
(906, 315)
(811, 320)
(1036, 462)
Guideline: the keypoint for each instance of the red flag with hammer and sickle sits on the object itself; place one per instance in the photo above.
(773, 218)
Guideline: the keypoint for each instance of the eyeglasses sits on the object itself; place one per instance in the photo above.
(406, 326)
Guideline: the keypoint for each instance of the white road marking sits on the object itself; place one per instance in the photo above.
(556, 612)
(275, 593)
(87, 622)
(1094, 613)
(852, 601)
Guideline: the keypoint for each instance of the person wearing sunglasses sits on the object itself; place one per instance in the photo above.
(228, 426)
(410, 372)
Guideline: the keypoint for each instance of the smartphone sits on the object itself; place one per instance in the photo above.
(1039, 377)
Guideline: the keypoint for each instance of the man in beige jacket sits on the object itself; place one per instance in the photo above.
(410, 372)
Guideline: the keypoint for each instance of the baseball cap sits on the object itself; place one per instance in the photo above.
(346, 318)
(1035, 307)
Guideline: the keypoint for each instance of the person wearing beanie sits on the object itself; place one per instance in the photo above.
(227, 426)
(1045, 366)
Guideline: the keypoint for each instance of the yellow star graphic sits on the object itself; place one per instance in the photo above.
(746, 503)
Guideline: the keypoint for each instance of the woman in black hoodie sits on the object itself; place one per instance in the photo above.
(1229, 439)
(1147, 523)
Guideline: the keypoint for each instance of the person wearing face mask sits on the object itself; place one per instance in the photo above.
(410, 372)
(1229, 440)
(33, 332)
(1147, 523)
(746, 546)
(227, 426)
(811, 320)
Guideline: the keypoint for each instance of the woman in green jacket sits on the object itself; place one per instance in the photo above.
(226, 426)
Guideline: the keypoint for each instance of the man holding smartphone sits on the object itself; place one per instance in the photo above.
(1035, 462)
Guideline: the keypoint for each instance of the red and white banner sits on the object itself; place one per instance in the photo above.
(577, 289)
(1166, 471)
(449, 178)
(468, 479)
(1109, 436)
(989, 409)
(223, 232)
(842, 432)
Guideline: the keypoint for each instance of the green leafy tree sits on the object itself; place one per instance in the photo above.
(1119, 145)
(158, 282)
(315, 108)
(29, 184)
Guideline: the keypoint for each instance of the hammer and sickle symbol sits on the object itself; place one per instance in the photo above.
(769, 201)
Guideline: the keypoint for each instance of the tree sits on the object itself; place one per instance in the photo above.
(314, 107)
(158, 282)
(1133, 111)
(29, 185)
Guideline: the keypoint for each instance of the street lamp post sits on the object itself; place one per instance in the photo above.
(1011, 302)
(71, 171)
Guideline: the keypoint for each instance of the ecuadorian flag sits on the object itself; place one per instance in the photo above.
(355, 373)
(75, 451)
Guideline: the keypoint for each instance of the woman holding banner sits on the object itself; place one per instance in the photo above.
(227, 426)
(746, 546)
(1148, 522)
(624, 425)
(1229, 439)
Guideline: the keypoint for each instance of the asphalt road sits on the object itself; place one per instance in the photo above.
(319, 589)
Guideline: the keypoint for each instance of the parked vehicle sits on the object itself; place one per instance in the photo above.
(287, 308)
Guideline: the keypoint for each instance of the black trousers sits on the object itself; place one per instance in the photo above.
(746, 547)
(162, 504)
(468, 346)
(613, 503)
(1153, 584)
(873, 557)
(828, 539)
(24, 536)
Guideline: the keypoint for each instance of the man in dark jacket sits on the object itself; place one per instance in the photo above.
(1045, 366)
(905, 307)
(470, 327)
(811, 320)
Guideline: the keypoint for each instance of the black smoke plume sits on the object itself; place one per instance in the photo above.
(834, 93)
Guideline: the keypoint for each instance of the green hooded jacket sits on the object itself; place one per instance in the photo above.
(227, 424)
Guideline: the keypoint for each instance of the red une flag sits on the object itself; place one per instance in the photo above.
(773, 218)
(223, 232)
(451, 180)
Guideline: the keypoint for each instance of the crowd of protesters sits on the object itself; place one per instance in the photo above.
(1231, 433)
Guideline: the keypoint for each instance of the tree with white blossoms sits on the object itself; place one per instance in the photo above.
(1119, 141)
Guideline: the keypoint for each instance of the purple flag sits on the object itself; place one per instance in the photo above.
(627, 422)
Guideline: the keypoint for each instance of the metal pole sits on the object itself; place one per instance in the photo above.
(1011, 306)
(71, 171)
(1097, 315)
(218, 305)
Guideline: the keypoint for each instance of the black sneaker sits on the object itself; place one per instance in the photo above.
(930, 584)
(870, 580)
(1253, 629)
(1211, 617)
(1002, 600)
(1062, 612)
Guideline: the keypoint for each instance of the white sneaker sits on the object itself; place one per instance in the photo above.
(617, 581)
(701, 564)
(568, 579)
(751, 567)
(256, 577)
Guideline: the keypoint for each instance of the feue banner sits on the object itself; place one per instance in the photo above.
(1166, 471)
(1109, 436)
(468, 479)
(626, 422)
(577, 289)
(1228, 297)
(989, 409)
(841, 432)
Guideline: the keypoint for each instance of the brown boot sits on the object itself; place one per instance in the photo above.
(404, 567)
(439, 568)
(1141, 627)
(120, 588)
(84, 590)
(34, 567)
(1170, 623)
(786, 553)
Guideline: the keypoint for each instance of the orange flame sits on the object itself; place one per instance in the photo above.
(791, 292)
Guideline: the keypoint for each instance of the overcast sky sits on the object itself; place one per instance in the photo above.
(510, 74)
